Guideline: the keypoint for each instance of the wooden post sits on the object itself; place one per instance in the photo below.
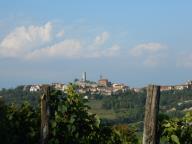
(45, 114)
(1, 103)
(1, 100)
(150, 134)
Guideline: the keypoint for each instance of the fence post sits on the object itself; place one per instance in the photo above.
(45, 114)
(1, 100)
(150, 134)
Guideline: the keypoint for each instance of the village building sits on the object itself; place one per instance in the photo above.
(104, 82)
(35, 88)
(166, 88)
(59, 86)
(120, 87)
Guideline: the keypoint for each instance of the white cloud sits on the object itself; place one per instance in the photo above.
(113, 51)
(37, 42)
(149, 48)
(23, 39)
(104, 52)
(65, 48)
(102, 38)
(149, 54)
(185, 60)
(60, 34)
(73, 49)
(151, 61)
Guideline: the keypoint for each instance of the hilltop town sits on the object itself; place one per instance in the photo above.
(102, 87)
(84, 86)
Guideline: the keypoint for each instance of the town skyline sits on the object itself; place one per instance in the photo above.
(83, 79)
(136, 43)
(102, 87)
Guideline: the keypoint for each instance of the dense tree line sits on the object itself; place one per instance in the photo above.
(128, 100)
(173, 103)
(18, 95)
(129, 103)
(176, 98)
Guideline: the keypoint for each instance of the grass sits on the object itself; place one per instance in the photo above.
(110, 114)
(96, 107)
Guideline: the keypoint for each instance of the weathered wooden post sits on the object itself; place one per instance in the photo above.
(1, 103)
(1, 100)
(45, 111)
(150, 134)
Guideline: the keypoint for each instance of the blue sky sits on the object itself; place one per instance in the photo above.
(132, 42)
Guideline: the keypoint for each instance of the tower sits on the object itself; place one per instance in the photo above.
(101, 77)
(84, 77)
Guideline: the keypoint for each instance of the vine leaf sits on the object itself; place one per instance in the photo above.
(175, 139)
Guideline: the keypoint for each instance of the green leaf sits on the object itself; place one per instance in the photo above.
(175, 139)
(54, 132)
(10, 117)
(167, 125)
(62, 108)
(72, 119)
(53, 124)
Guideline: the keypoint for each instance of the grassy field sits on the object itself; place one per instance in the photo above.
(96, 107)
(110, 114)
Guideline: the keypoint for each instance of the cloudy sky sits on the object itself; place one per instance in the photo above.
(132, 42)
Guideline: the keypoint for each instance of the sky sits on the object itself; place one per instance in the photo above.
(132, 42)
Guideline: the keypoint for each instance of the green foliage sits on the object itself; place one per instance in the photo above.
(18, 95)
(177, 131)
(178, 99)
(128, 100)
(129, 107)
(72, 123)
(128, 134)
(19, 124)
